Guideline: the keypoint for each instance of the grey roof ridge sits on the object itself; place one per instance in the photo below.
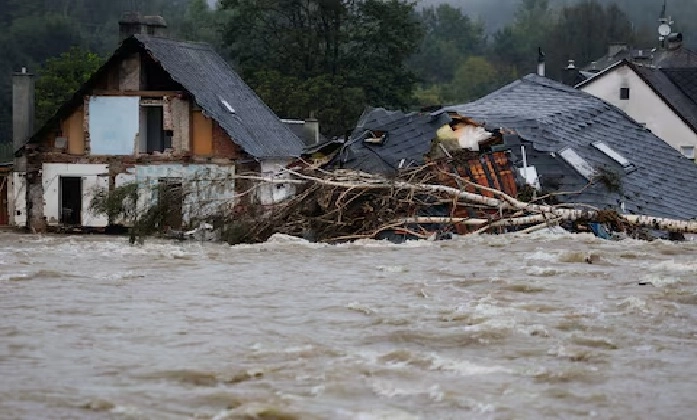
(602, 73)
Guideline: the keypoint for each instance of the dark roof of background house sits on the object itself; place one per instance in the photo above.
(677, 87)
(204, 74)
(685, 79)
(553, 116)
(408, 138)
(679, 57)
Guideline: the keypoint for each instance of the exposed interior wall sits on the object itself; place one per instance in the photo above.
(202, 134)
(75, 131)
(644, 105)
(114, 124)
(18, 199)
(177, 112)
(130, 74)
(93, 176)
(223, 145)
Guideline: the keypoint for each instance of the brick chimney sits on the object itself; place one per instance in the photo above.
(22, 107)
(132, 23)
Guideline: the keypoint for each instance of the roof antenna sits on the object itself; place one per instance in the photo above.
(664, 27)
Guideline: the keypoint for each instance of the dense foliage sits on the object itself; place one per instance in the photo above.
(331, 58)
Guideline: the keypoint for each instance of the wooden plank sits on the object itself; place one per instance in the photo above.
(143, 93)
(202, 134)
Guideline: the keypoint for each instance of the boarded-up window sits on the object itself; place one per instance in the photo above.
(114, 124)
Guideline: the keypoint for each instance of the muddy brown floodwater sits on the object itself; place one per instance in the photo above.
(499, 327)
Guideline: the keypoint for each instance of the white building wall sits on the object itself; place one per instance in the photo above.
(93, 176)
(272, 192)
(644, 105)
(207, 189)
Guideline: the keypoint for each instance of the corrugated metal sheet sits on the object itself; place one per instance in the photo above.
(224, 96)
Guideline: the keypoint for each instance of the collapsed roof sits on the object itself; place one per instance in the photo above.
(579, 143)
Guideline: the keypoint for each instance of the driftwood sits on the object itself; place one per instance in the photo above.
(348, 205)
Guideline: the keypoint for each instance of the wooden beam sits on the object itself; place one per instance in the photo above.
(142, 93)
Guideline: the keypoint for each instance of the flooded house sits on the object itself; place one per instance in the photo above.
(532, 138)
(160, 113)
(587, 152)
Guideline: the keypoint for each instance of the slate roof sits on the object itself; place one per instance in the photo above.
(677, 88)
(685, 79)
(680, 57)
(213, 83)
(204, 74)
(408, 138)
(550, 117)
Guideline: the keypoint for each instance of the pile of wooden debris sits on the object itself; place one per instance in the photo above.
(419, 203)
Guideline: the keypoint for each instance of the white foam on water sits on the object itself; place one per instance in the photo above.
(465, 367)
(391, 389)
(14, 276)
(538, 271)
(633, 303)
(359, 307)
(673, 266)
(541, 256)
(392, 268)
(379, 414)
(660, 280)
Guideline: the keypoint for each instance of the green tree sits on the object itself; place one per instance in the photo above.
(450, 37)
(200, 23)
(516, 45)
(584, 31)
(475, 78)
(60, 77)
(324, 53)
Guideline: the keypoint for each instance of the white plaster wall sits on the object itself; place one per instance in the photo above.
(644, 105)
(272, 192)
(208, 189)
(18, 199)
(93, 176)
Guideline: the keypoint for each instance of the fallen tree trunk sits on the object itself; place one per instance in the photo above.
(348, 205)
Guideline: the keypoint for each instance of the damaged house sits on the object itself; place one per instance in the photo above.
(162, 114)
(587, 151)
(536, 132)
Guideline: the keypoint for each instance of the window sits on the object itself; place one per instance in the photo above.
(578, 163)
(624, 93)
(614, 155)
(688, 151)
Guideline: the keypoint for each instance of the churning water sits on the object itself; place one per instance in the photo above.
(499, 327)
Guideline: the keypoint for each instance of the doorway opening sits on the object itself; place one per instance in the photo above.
(71, 200)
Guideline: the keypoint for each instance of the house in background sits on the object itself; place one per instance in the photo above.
(162, 113)
(663, 99)
(586, 150)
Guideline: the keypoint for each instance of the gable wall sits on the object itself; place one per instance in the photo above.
(71, 146)
(644, 105)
